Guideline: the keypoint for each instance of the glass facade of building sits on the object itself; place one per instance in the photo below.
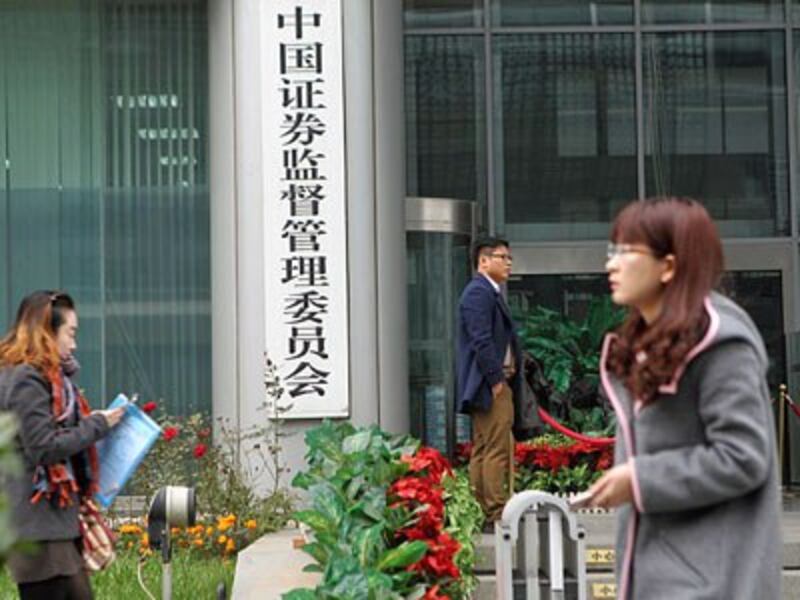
(567, 110)
(104, 194)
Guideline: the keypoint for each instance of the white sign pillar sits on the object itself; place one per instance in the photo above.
(305, 204)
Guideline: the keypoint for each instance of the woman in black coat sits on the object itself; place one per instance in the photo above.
(56, 436)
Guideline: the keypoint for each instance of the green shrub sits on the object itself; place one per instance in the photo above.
(9, 465)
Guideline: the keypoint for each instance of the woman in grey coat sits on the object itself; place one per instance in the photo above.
(57, 432)
(695, 480)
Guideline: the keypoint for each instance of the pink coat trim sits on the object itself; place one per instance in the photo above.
(622, 419)
(713, 329)
(637, 492)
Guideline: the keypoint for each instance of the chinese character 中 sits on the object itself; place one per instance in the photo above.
(299, 20)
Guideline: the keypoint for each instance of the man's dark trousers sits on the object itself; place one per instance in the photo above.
(485, 332)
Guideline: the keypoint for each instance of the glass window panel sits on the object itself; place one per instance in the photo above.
(565, 133)
(796, 108)
(760, 294)
(443, 13)
(104, 107)
(445, 115)
(757, 292)
(718, 11)
(562, 12)
(715, 126)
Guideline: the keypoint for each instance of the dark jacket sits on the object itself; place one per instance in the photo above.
(41, 441)
(705, 522)
(485, 329)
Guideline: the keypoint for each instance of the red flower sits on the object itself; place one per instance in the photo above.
(149, 407)
(200, 450)
(438, 560)
(463, 452)
(606, 459)
(432, 593)
(170, 433)
(430, 460)
(204, 433)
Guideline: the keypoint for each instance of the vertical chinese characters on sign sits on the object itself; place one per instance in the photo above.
(305, 208)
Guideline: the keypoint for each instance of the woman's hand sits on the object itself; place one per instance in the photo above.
(112, 417)
(613, 488)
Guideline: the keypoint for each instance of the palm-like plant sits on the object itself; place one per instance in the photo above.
(569, 354)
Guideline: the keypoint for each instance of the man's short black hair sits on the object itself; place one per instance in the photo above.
(483, 244)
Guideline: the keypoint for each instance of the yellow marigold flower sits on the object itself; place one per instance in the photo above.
(230, 546)
(198, 542)
(130, 544)
(222, 539)
(251, 524)
(145, 541)
(226, 522)
(209, 531)
(175, 530)
(130, 528)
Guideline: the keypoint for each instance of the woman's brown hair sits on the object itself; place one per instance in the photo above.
(32, 338)
(646, 356)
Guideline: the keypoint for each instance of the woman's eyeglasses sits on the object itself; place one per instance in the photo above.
(614, 250)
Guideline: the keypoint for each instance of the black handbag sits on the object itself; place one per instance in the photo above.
(535, 389)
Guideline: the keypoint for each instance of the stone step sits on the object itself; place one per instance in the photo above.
(601, 586)
(600, 544)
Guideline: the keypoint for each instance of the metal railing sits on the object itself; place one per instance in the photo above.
(550, 550)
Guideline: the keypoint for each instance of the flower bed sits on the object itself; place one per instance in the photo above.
(553, 463)
(223, 536)
(389, 518)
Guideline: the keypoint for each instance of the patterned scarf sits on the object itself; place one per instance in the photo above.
(58, 481)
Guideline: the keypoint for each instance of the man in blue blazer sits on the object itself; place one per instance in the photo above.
(488, 372)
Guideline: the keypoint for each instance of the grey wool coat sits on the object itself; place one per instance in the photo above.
(705, 521)
(40, 441)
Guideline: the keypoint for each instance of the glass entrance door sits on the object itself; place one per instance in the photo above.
(438, 241)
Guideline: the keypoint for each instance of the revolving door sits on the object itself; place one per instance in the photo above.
(439, 232)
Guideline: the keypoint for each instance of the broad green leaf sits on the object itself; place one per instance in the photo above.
(317, 551)
(303, 480)
(300, 594)
(312, 568)
(375, 503)
(369, 544)
(403, 555)
(352, 587)
(316, 520)
(358, 442)
(328, 502)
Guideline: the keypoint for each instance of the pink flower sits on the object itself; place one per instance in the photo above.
(170, 433)
(200, 450)
(149, 407)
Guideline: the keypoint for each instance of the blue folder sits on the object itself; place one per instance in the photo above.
(123, 449)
